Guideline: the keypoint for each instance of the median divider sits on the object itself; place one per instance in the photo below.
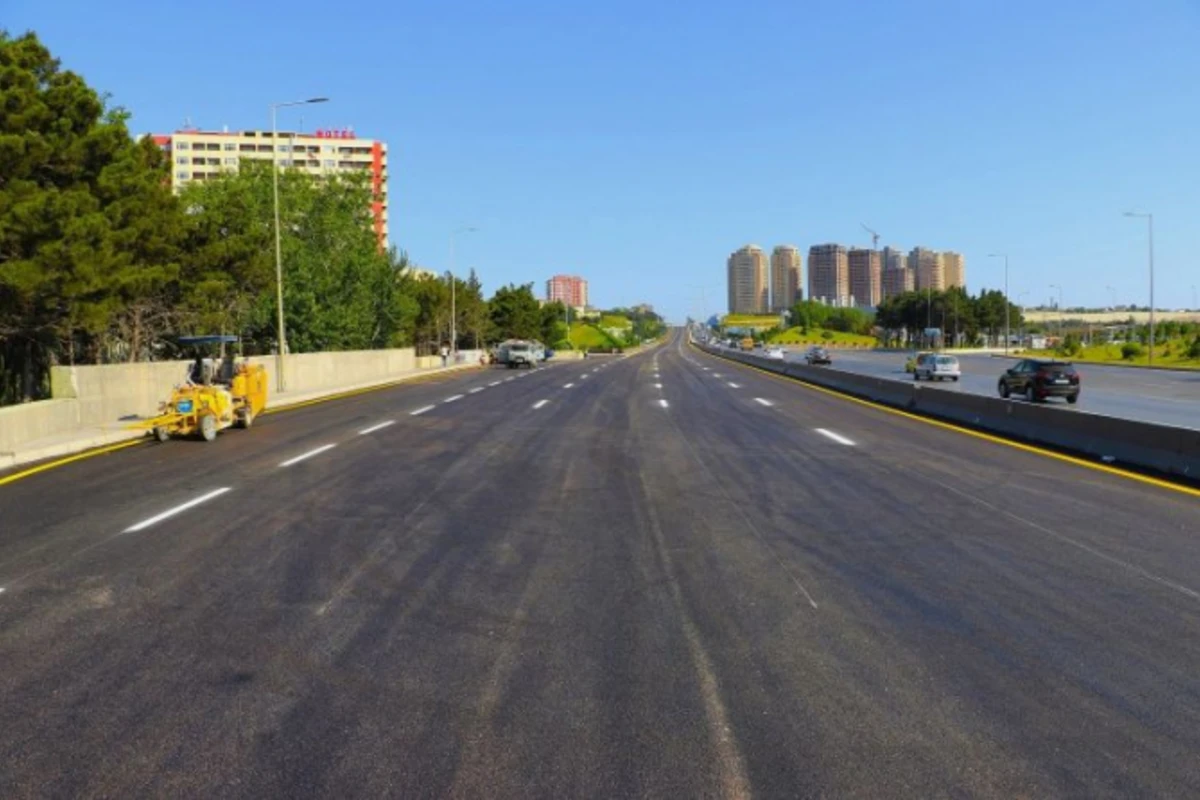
(1147, 446)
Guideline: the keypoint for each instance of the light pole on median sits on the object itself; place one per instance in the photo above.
(281, 331)
(453, 292)
(1007, 327)
(1112, 293)
(1150, 231)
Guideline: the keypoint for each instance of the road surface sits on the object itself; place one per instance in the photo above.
(1167, 397)
(662, 576)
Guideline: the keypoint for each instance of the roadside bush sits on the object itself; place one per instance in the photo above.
(1071, 346)
(1130, 351)
(827, 335)
(1194, 350)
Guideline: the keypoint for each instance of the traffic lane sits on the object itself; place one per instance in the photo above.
(1170, 398)
(1137, 524)
(955, 637)
(503, 645)
(53, 514)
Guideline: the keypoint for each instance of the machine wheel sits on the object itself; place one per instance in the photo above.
(161, 433)
(1030, 397)
(208, 427)
(1004, 390)
(247, 418)
(1072, 399)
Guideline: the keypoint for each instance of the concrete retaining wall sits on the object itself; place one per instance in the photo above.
(104, 395)
(1174, 451)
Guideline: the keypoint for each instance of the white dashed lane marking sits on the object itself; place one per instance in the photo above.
(418, 412)
(179, 509)
(761, 401)
(305, 456)
(837, 437)
(378, 427)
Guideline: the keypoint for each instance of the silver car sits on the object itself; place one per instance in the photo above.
(937, 368)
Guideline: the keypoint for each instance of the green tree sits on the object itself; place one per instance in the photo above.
(515, 313)
(88, 229)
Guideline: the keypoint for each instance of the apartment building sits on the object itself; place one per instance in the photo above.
(786, 269)
(570, 290)
(866, 280)
(929, 267)
(197, 155)
(955, 267)
(897, 278)
(747, 279)
(829, 274)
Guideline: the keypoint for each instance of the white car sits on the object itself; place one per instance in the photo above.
(937, 367)
(775, 353)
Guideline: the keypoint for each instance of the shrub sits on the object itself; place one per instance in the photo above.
(827, 335)
(1194, 350)
(1130, 351)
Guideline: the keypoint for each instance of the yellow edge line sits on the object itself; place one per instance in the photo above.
(99, 451)
(987, 437)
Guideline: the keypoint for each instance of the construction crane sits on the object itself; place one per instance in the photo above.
(874, 236)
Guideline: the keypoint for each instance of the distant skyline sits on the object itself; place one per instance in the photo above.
(628, 142)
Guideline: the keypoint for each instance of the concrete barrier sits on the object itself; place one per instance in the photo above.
(1162, 448)
(101, 399)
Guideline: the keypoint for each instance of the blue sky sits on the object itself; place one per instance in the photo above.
(638, 143)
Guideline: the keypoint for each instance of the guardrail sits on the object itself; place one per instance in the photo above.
(1162, 448)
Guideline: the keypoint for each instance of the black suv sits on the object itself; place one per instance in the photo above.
(1038, 379)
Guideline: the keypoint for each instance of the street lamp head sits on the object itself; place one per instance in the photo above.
(317, 100)
(997, 255)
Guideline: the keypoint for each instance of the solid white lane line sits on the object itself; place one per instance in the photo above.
(452, 398)
(378, 427)
(309, 454)
(179, 509)
(663, 403)
(761, 401)
(706, 369)
(568, 385)
(540, 403)
(508, 380)
(583, 376)
(835, 436)
(494, 383)
(421, 411)
(735, 386)
(476, 390)
(658, 386)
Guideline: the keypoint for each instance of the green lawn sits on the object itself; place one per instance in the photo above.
(815, 336)
(760, 321)
(1176, 358)
(584, 335)
(614, 321)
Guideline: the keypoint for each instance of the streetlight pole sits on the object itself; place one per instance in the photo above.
(1061, 318)
(281, 331)
(454, 292)
(1022, 305)
(1113, 295)
(1007, 325)
(1150, 231)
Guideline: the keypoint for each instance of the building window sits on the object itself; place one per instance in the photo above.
(286, 162)
(283, 148)
(182, 145)
(230, 146)
(182, 174)
(231, 162)
(328, 148)
(181, 159)
(214, 146)
(330, 163)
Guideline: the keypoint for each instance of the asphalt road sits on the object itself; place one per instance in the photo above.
(1167, 397)
(662, 576)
